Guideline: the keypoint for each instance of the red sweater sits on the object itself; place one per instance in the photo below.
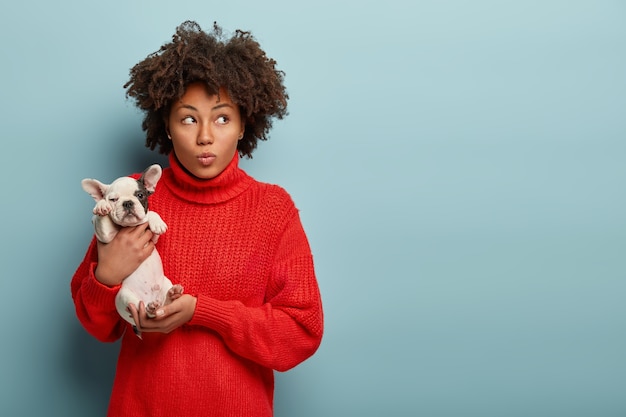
(237, 245)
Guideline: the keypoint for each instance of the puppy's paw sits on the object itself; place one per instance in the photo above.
(152, 307)
(102, 208)
(175, 292)
(157, 226)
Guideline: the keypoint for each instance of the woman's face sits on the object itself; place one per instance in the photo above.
(204, 130)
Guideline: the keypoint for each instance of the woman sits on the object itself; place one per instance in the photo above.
(251, 303)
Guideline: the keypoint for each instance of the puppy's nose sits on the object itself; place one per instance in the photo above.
(128, 204)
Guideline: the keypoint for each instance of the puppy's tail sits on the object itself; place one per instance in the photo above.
(137, 332)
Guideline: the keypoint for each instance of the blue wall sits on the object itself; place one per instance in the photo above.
(460, 171)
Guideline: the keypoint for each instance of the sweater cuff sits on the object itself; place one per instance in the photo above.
(96, 293)
(212, 313)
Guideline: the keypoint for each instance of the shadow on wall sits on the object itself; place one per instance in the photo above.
(90, 365)
(137, 157)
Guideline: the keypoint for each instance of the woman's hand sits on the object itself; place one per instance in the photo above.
(168, 318)
(120, 257)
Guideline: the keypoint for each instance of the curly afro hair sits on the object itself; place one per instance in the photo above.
(236, 63)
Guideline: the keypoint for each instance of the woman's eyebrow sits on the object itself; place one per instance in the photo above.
(187, 106)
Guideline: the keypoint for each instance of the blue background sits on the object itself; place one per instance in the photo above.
(459, 167)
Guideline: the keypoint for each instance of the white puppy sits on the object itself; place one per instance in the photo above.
(124, 203)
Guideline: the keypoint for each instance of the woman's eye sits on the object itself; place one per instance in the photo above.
(222, 120)
(188, 120)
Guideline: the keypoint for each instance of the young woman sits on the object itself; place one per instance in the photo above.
(251, 303)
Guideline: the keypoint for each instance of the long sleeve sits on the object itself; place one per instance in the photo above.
(288, 327)
(95, 302)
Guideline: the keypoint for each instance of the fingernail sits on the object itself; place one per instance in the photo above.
(160, 312)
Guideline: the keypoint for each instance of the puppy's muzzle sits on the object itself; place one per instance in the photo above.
(128, 205)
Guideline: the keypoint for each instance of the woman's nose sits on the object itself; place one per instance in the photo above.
(204, 135)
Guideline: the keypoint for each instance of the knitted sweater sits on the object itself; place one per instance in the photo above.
(237, 245)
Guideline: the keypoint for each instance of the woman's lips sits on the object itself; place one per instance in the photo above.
(206, 159)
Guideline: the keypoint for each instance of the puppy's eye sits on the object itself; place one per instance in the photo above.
(141, 196)
(113, 199)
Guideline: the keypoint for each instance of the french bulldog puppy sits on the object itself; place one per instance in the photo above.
(124, 203)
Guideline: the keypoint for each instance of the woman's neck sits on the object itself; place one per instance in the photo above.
(231, 182)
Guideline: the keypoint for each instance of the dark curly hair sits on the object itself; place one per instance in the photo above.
(236, 63)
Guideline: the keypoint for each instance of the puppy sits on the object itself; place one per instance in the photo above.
(124, 203)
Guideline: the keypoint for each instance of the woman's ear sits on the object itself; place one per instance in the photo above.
(167, 129)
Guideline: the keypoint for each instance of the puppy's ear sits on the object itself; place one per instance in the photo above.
(151, 176)
(94, 188)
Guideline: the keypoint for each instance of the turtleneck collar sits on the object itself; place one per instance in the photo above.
(228, 184)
